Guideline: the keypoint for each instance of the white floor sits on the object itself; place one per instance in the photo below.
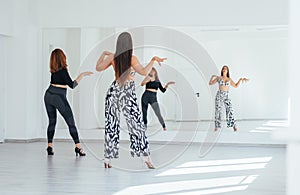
(226, 162)
(26, 169)
(253, 132)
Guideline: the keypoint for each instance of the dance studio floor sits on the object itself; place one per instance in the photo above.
(181, 168)
(26, 169)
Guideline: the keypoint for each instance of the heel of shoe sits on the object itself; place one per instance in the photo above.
(107, 166)
(107, 163)
(79, 151)
(235, 128)
(147, 161)
(50, 150)
(149, 165)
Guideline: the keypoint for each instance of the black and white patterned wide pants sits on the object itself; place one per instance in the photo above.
(222, 99)
(123, 99)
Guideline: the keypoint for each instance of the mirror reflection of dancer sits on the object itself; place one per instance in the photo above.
(222, 98)
(121, 97)
(149, 96)
(55, 99)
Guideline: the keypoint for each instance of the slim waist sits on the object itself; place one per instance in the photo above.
(150, 92)
(57, 90)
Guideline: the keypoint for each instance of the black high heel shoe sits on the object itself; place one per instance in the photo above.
(50, 150)
(79, 151)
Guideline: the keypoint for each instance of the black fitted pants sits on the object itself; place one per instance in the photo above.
(149, 97)
(55, 99)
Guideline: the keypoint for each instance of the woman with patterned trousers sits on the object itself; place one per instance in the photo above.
(222, 98)
(121, 97)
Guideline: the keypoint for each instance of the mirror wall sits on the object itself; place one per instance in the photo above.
(194, 54)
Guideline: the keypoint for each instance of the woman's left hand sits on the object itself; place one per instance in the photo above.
(245, 79)
(171, 83)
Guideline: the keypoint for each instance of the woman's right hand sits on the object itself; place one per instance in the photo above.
(158, 59)
(215, 76)
(213, 79)
(87, 73)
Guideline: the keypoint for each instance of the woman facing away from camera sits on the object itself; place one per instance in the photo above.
(152, 83)
(121, 97)
(55, 99)
(222, 98)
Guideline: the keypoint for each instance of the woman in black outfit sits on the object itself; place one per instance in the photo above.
(149, 96)
(55, 99)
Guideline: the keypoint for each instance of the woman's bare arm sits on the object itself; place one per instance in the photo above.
(236, 85)
(146, 80)
(213, 79)
(104, 61)
(145, 70)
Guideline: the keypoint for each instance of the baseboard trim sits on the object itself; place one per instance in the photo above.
(24, 140)
(83, 141)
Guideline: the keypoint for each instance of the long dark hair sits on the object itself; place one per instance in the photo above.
(227, 71)
(123, 54)
(58, 60)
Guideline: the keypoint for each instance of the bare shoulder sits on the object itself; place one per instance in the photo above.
(134, 60)
(111, 57)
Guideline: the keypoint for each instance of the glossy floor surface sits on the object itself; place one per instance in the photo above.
(26, 169)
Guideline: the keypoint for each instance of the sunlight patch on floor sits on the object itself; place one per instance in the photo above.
(203, 186)
(212, 166)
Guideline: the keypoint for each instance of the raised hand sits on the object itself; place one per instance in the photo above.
(158, 59)
(87, 73)
(245, 79)
(170, 83)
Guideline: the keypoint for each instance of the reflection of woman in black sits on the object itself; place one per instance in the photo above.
(149, 96)
(55, 98)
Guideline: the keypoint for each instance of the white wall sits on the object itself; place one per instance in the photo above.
(193, 55)
(6, 17)
(68, 40)
(95, 13)
(24, 21)
(259, 55)
(292, 136)
(23, 98)
(3, 64)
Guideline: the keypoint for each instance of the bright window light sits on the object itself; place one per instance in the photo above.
(215, 191)
(259, 131)
(266, 128)
(187, 186)
(225, 162)
(249, 179)
(276, 123)
(213, 169)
